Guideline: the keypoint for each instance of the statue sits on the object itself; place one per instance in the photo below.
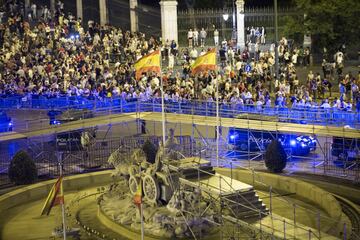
(171, 146)
(166, 200)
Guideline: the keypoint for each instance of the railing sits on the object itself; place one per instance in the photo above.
(302, 115)
(111, 109)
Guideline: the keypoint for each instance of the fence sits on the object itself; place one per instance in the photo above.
(119, 13)
(302, 115)
(149, 18)
(79, 159)
(209, 19)
(95, 157)
(337, 156)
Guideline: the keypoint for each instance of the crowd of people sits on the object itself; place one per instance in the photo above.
(54, 54)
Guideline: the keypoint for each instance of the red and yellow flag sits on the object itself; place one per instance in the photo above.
(138, 195)
(55, 197)
(205, 62)
(148, 63)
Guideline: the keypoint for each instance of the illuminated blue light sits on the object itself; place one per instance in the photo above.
(292, 142)
(55, 122)
(232, 137)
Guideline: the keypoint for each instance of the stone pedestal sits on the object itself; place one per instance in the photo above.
(79, 9)
(134, 24)
(103, 12)
(169, 27)
(240, 16)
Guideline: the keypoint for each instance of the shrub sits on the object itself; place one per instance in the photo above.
(275, 157)
(22, 169)
(150, 151)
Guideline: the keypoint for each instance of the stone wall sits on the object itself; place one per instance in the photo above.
(41, 190)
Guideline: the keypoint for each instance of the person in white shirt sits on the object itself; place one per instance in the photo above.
(259, 105)
(326, 104)
(155, 81)
(263, 35)
(33, 10)
(171, 61)
(294, 58)
(196, 37)
(193, 54)
(339, 58)
(190, 37)
(231, 56)
(202, 37)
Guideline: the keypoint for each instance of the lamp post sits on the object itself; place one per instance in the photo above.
(234, 23)
(276, 41)
(225, 18)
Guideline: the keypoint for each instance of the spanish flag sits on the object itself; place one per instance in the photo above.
(205, 62)
(138, 195)
(55, 197)
(148, 63)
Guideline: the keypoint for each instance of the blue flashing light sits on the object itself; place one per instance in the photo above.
(55, 122)
(10, 124)
(292, 143)
(303, 145)
(232, 137)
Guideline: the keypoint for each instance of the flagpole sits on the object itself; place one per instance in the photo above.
(62, 202)
(217, 121)
(162, 103)
(141, 208)
(142, 221)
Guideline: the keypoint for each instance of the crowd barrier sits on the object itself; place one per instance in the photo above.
(304, 115)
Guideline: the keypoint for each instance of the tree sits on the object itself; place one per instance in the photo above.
(331, 23)
(22, 169)
(275, 157)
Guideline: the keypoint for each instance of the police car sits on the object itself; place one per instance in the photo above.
(6, 125)
(257, 141)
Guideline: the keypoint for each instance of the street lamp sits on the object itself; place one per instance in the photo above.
(276, 40)
(234, 23)
(225, 17)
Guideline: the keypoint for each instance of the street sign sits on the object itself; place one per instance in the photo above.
(248, 68)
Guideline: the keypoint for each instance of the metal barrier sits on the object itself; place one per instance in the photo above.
(325, 164)
(94, 158)
(302, 115)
